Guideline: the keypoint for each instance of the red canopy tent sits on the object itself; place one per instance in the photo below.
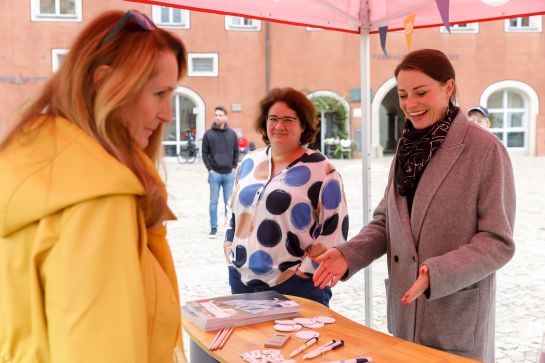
(365, 17)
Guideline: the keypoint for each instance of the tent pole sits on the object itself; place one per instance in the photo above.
(365, 73)
(267, 57)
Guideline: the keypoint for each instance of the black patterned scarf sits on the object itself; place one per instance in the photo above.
(416, 148)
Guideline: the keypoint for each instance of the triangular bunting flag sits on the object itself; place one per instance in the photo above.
(382, 31)
(409, 27)
(443, 6)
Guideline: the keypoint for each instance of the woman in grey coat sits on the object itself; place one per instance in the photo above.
(445, 221)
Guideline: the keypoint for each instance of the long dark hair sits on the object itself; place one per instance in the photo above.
(433, 63)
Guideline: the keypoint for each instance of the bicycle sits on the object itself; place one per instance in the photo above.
(188, 154)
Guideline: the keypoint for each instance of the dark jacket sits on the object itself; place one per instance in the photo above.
(220, 149)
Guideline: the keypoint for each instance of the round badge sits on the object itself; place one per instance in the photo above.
(281, 327)
(314, 325)
(325, 319)
(307, 334)
(304, 321)
(285, 322)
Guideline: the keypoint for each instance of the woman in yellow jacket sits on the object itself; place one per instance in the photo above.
(86, 274)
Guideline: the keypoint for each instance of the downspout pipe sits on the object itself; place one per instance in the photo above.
(267, 56)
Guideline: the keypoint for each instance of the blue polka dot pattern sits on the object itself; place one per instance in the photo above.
(286, 265)
(331, 195)
(234, 271)
(300, 215)
(240, 256)
(345, 227)
(230, 233)
(258, 285)
(312, 158)
(293, 246)
(278, 218)
(260, 262)
(245, 168)
(246, 196)
(269, 233)
(297, 176)
(330, 225)
(278, 201)
(317, 231)
(311, 230)
(314, 193)
(232, 221)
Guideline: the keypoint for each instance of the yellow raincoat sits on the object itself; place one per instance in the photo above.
(81, 279)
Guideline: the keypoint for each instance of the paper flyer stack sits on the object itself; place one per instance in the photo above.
(240, 309)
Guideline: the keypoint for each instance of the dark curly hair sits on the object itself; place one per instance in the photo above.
(297, 101)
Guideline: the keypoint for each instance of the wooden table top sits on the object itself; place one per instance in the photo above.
(359, 341)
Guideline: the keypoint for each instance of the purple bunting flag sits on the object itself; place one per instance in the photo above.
(382, 31)
(443, 6)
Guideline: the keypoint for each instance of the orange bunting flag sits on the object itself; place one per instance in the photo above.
(409, 27)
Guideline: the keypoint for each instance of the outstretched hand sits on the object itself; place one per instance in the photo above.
(421, 284)
(333, 266)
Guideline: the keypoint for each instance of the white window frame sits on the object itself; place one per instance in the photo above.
(534, 27)
(471, 28)
(504, 110)
(156, 16)
(35, 14)
(254, 27)
(55, 53)
(193, 73)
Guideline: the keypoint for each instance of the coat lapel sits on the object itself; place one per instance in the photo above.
(436, 171)
(400, 204)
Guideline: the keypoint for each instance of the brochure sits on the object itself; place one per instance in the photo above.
(240, 309)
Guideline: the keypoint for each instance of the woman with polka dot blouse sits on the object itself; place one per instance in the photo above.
(288, 205)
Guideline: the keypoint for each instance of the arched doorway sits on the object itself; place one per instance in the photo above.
(391, 122)
(188, 115)
(334, 113)
(387, 119)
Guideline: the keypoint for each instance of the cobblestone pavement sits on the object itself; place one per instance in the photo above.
(520, 315)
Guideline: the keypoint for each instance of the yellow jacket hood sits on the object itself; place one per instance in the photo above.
(52, 165)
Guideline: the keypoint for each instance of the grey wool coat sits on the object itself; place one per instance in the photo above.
(461, 227)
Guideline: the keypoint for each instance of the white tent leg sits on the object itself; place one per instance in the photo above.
(366, 145)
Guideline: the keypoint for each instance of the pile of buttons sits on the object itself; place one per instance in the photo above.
(265, 356)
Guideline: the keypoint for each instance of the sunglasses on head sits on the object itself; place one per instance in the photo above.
(139, 18)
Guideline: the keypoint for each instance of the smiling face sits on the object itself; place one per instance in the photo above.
(423, 99)
(284, 137)
(152, 105)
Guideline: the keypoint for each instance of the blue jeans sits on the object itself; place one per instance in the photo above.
(295, 285)
(217, 181)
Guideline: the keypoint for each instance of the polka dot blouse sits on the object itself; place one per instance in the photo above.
(277, 223)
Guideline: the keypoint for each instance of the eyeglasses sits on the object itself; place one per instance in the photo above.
(288, 121)
(141, 20)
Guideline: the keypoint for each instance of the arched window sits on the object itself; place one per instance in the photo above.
(187, 117)
(509, 118)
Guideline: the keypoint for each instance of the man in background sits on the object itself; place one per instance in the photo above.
(220, 156)
(479, 115)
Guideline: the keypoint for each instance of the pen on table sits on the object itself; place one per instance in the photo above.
(323, 349)
(229, 332)
(304, 346)
(353, 360)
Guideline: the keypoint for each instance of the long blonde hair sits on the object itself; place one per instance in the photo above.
(93, 106)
